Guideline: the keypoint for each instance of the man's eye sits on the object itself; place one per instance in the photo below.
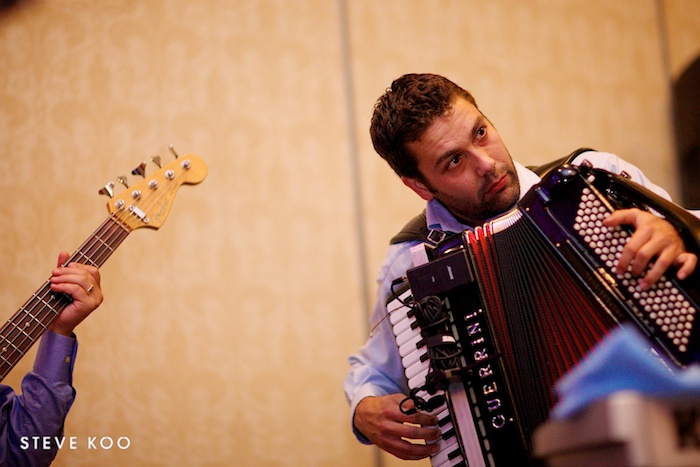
(454, 161)
(481, 132)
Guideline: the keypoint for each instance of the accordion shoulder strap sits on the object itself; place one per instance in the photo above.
(544, 169)
(417, 228)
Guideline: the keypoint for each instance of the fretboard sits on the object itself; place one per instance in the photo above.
(30, 322)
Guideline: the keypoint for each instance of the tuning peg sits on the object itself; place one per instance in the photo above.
(156, 160)
(122, 179)
(108, 190)
(140, 170)
(172, 149)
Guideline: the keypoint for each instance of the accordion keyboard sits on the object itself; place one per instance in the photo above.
(417, 365)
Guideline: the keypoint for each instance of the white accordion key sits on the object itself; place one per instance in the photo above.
(407, 336)
(415, 357)
(410, 345)
(405, 326)
(417, 368)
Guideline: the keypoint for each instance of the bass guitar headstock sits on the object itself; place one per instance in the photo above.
(148, 202)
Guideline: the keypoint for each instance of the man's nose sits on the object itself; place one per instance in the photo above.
(484, 162)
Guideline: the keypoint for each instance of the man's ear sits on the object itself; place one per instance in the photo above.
(417, 186)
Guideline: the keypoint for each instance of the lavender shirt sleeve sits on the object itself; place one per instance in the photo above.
(41, 409)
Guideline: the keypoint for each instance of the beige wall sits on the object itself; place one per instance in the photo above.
(223, 337)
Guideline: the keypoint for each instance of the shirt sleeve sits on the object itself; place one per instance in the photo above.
(376, 370)
(40, 411)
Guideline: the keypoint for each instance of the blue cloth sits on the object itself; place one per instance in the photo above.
(41, 409)
(376, 369)
(623, 360)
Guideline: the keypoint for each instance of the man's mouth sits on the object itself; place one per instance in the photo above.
(497, 185)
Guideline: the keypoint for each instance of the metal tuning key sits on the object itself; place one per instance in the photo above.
(172, 150)
(108, 190)
(140, 170)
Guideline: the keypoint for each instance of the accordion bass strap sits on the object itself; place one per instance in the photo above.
(632, 194)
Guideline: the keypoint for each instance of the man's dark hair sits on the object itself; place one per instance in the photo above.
(405, 111)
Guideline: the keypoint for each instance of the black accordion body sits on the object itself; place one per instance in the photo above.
(497, 315)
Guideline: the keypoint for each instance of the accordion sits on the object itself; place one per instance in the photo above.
(495, 316)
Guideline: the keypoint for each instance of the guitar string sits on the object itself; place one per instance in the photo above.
(117, 227)
(36, 327)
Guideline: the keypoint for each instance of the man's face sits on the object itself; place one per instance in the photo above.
(465, 165)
